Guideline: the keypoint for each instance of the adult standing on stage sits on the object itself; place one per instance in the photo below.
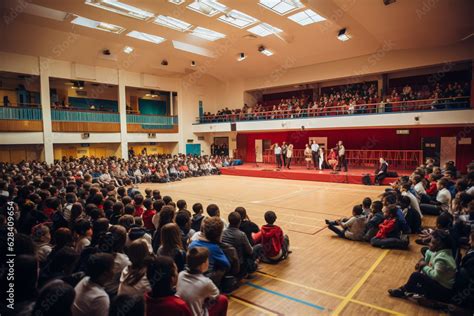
(341, 152)
(277, 151)
(321, 158)
(381, 171)
(284, 148)
(315, 153)
(289, 155)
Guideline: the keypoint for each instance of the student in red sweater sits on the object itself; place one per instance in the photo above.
(148, 214)
(274, 244)
(389, 234)
(138, 202)
(162, 300)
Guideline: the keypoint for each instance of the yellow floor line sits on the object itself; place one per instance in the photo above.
(359, 284)
(388, 311)
(264, 311)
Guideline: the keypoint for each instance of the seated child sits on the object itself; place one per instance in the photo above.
(411, 216)
(366, 206)
(389, 232)
(374, 220)
(275, 244)
(353, 228)
(196, 289)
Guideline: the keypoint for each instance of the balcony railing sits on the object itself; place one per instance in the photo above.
(153, 121)
(20, 113)
(84, 116)
(357, 109)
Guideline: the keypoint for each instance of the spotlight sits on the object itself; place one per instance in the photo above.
(343, 36)
(193, 63)
(106, 52)
(265, 51)
(128, 50)
(241, 57)
(164, 62)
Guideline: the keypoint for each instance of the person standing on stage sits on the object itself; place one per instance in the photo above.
(321, 158)
(341, 152)
(277, 151)
(289, 155)
(381, 171)
(308, 156)
(284, 148)
(315, 153)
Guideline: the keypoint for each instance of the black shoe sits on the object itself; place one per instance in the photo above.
(397, 293)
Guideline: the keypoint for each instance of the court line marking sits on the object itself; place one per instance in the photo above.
(291, 298)
(341, 297)
(359, 284)
(253, 306)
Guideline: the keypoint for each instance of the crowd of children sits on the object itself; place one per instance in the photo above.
(445, 274)
(100, 249)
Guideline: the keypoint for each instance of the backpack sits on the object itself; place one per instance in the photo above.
(366, 179)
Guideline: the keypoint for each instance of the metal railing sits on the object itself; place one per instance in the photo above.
(156, 120)
(20, 113)
(369, 108)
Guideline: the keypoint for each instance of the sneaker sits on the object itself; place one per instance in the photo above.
(397, 293)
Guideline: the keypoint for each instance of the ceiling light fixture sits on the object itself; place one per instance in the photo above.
(343, 35)
(207, 34)
(79, 20)
(177, 2)
(207, 7)
(121, 8)
(241, 57)
(281, 7)
(146, 37)
(172, 23)
(306, 17)
(128, 50)
(265, 51)
(193, 63)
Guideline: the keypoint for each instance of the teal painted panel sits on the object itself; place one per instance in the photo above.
(12, 113)
(193, 149)
(100, 104)
(152, 107)
(76, 116)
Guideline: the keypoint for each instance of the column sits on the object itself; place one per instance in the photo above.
(180, 114)
(122, 103)
(46, 110)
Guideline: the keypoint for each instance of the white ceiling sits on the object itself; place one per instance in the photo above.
(405, 24)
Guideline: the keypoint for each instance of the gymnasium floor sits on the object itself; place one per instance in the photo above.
(324, 274)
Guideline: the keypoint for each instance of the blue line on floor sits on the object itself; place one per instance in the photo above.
(285, 296)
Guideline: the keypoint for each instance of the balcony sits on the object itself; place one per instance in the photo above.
(21, 119)
(140, 123)
(75, 120)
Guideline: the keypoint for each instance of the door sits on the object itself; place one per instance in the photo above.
(193, 149)
(431, 147)
(258, 150)
(448, 150)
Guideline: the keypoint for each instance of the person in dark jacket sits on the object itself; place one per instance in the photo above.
(197, 217)
(381, 171)
(246, 225)
(375, 219)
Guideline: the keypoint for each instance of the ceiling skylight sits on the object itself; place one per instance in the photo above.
(146, 37)
(45, 12)
(207, 7)
(281, 7)
(193, 49)
(177, 2)
(79, 20)
(306, 17)
(207, 34)
(264, 29)
(238, 19)
(172, 23)
(121, 8)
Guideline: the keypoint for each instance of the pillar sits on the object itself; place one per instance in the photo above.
(122, 103)
(46, 110)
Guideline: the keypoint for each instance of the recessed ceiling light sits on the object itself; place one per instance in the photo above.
(146, 37)
(121, 8)
(241, 57)
(128, 50)
(207, 34)
(177, 2)
(281, 7)
(193, 63)
(343, 36)
(207, 7)
(172, 23)
(265, 51)
(264, 29)
(237, 19)
(79, 20)
(306, 17)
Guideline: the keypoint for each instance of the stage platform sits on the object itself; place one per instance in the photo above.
(353, 176)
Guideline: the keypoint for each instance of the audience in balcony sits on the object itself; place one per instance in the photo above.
(352, 99)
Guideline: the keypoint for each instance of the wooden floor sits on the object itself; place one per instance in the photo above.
(324, 274)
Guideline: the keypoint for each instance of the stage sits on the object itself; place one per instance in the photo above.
(353, 176)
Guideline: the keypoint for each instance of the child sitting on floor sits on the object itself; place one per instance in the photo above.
(274, 242)
(389, 232)
(353, 228)
(374, 220)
